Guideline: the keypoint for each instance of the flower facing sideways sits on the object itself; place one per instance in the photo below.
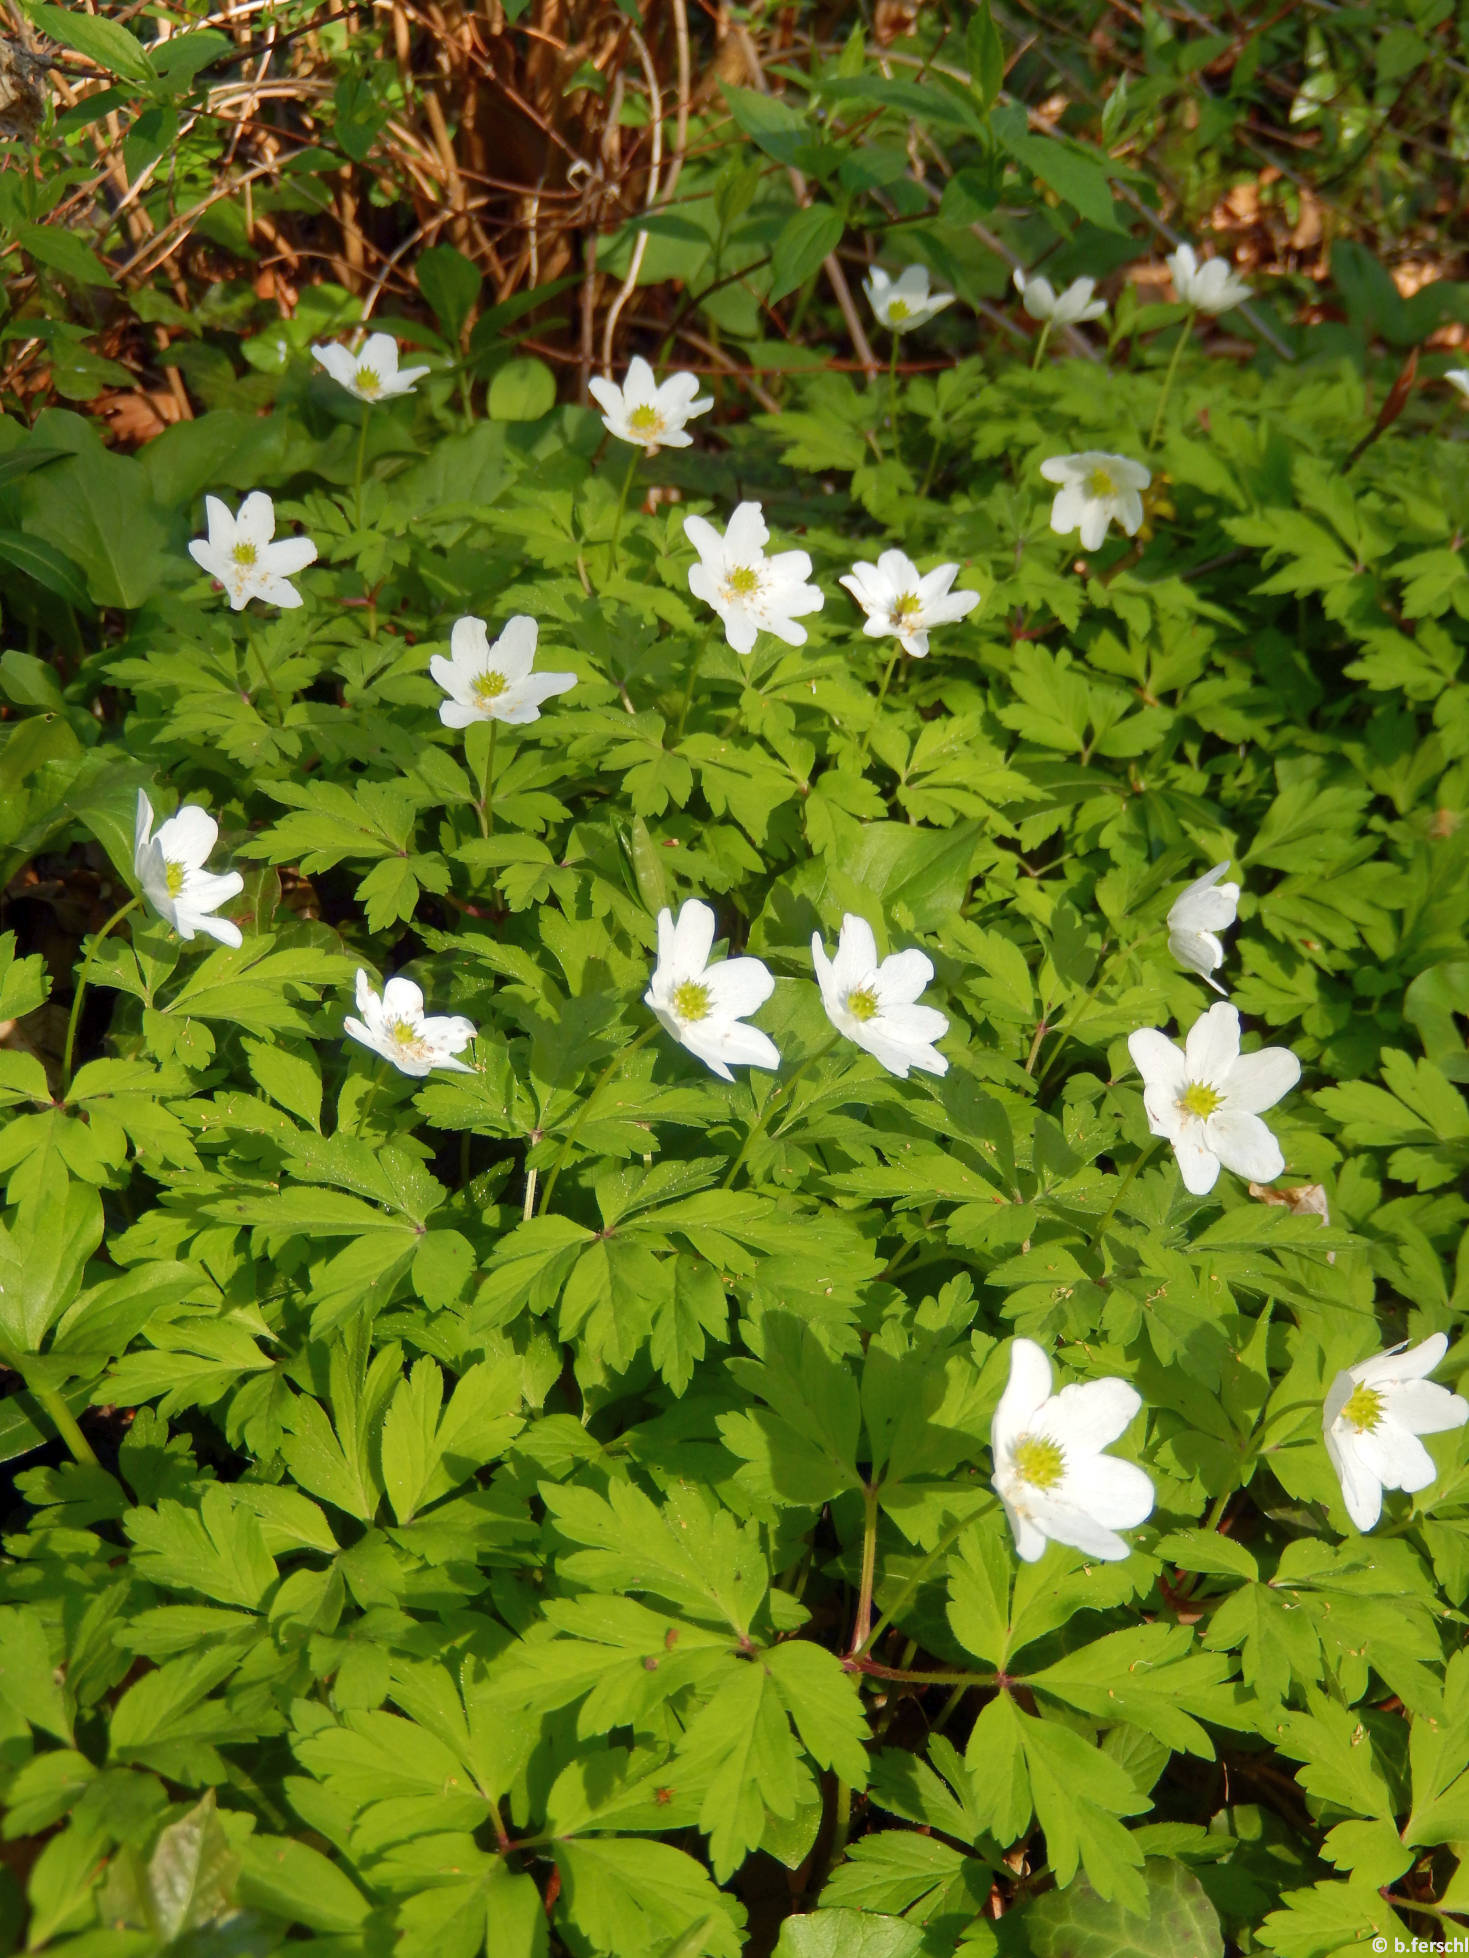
(1208, 1098)
(373, 374)
(243, 553)
(751, 592)
(494, 683)
(899, 601)
(170, 869)
(1208, 285)
(1204, 909)
(1050, 1471)
(1095, 488)
(397, 1027)
(905, 302)
(642, 412)
(876, 1005)
(1373, 1417)
(703, 1005)
(1069, 308)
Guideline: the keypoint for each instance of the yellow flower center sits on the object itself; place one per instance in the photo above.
(907, 607)
(1038, 1461)
(898, 309)
(691, 1000)
(369, 381)
(742, 582)
(1100, 483)
(244, 553)
(1198, 1098)
(646, 420)
(403, 1034)
(173, 878)
(489, 686)
(862, 1003)
(1363, 1410)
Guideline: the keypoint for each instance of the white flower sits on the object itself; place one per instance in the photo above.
(397, 1028)
(1208, 1099)
(1206, 907)
(642, 412)
(1209, 286)
(1095, 488)
(494, 683)
(750, 592)
(1373, 1417)
(875, 1005)
(1458, 377)
(898, 601)
(170, 869)
(905, 302)
(1050, 1472)
(240, 554)
(1041, 300)
(373, 374)
(703, 1005)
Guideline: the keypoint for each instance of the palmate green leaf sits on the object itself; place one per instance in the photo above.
(688, 1550)
(1152, 1675)
(29, 1683)
(908, 1874)
(802, 1446)
(216, 1549)
(623, 1894)
(842, 1933)
(43, 1249)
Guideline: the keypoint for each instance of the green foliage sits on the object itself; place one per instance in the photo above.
(544, 1510)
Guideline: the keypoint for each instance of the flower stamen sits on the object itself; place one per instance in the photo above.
(1200, 1100)
(742, 581)
(244, 553)
(862, 1003)
(489, 685)
(1364, 1410)
(173, 877)
(1038, 1461)
(691, 1001)
(1101, 483)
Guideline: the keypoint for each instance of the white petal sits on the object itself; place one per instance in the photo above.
(1257, 1081)
(514, 652)
(1244, 1144)
(1069, 1524)
(1117, 1493)
(1212, 1046)
(1086, 1416)
(1196, 1165)
(1158, 1061)
(1426, 1408)
(188, 836)
(1361, 1491)
(856, 958)
(902, 977)
(1026, 1393)
(738, 987)
(1402, 1362)
(1397, 1458)
(692, 939)
(402, 1000)
(746, 536)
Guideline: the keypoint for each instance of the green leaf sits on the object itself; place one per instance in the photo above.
(1079, 178)
(805, 240)
(28, 1679)
(290, 1879)
(986, 55)
(98, 38)
(523, 390)
(1078, 1921)
(848, 1934)
(451, 284)
(41, 561)
(191, 1873)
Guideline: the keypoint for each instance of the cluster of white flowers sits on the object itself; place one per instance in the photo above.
(1058, 1484)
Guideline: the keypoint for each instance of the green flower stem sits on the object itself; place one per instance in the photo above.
(622, 494)
(780, 1092)
(688, 692)
(361, 462)
(863, 1624)
(944, 1677)
(619, 1059)
(893, 400)
(882, 694)
(1124, 1186)
(485, 806)
(1043, 340)
(941, 1549)
(52, 1403)
(1178, 347)
(266, 675)
(80, 994)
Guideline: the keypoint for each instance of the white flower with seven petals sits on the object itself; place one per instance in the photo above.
(900, 601)
(1050, 1471)
(494, 683)
(245, 556)
(1208, 1098)
(905, 302)
(1096, 488)
(1208, 285)
(396, 1027)
(373, 374)
(703, 1005)
(1373, 1417)
(1069, 308)
(170, 869)
(642, 412)
(1205, 908)
(751, 592)
(875, 1004)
